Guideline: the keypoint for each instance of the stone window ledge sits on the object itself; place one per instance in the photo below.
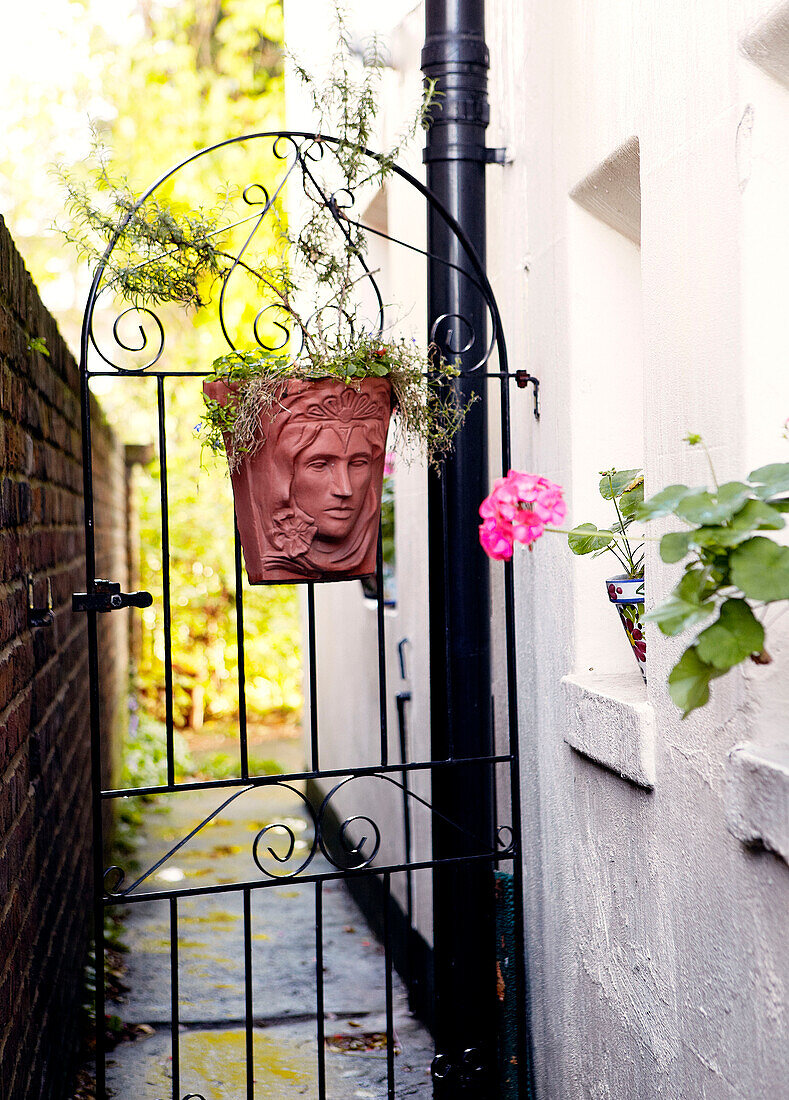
(610, 721)
(757, 795)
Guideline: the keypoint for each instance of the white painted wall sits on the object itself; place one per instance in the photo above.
(657, 938)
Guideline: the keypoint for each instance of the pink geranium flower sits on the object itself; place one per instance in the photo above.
(518, 509)
(494, 541)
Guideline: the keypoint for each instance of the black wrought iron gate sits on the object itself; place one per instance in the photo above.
(469, 1058)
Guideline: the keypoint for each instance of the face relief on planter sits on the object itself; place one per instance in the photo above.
(308, 499)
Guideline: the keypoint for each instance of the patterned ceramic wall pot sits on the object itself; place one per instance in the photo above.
(308, 498)
(628, 595)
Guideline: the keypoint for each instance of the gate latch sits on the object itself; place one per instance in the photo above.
(522, 380)
(107, 596)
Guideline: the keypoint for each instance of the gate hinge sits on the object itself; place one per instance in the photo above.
(522, 380)
(107, 596)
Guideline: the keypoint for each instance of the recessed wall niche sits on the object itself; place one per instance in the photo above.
(606, 387)
(762, 155)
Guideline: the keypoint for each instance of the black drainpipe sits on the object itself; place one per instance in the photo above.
(455, 55)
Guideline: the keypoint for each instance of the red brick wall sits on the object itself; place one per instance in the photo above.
(45, 869)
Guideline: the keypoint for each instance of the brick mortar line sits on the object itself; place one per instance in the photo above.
(62, 568)
(80, 884)
(42, 871)
(58, 655)
(13, 702)
(18, 641)
(43, 397)
(12, 643)
(17, 477)
(70, 799)
(40, 318)
(15, 759)
(33, 1023)
(98, 417)
(17, 260)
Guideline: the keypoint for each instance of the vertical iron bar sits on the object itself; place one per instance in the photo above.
(168, 644)
(98, 855)
(456, 57)
(524, 1043)
(248, 1005)
(97, 824)
(315, 759)
(242, 694)
(379, 577)
(319, 990)
(175, 1037)
(390, 1038)
(404, 697)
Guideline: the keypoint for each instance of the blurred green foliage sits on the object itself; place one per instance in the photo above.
(195, 73)
(145, 753)
(205, 654)
(202, 71)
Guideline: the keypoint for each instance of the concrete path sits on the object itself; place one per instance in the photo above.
(211, 968)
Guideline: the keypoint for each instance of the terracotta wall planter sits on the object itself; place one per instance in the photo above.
(308, 501)
(628, 595)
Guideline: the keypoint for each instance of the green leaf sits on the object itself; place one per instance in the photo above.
(689, 681)
(614, 482)
(704, 508)
(770, 479)
(733, 493)
(736, 635)
(685, 606)
(663, 503)
(632, 499)
(582, 539)
(758, 516)
(760, 569)
(717, 538)
(674, 546)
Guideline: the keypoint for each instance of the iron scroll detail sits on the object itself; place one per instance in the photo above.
(346, 840)
(143, 346)
(332, 836)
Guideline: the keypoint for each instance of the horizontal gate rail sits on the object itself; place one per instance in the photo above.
(291, 777)
(500, 846)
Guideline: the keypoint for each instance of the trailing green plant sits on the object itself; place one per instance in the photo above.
(625, 490)
(159, 253)
(427, 411)
(325, 256)
(733, 574)
(162, 251)
(346, 105)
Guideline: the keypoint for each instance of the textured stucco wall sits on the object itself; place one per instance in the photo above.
(657, 939)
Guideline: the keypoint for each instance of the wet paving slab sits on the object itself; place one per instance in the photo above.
(210, 1007)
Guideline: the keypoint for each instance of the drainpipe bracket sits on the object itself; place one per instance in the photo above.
(465, 150)
(498, 156)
